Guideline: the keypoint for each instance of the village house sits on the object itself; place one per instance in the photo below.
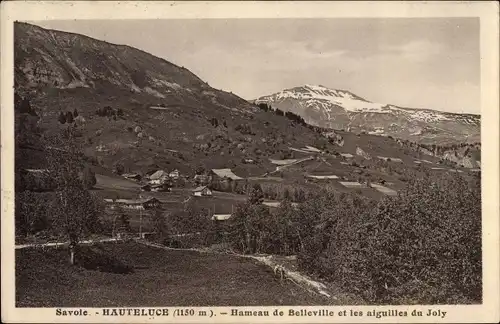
(158, 177)
(140, 204)
(248, 161)
(221, 217)
(163, 187)
(174, 174)
(202, 191)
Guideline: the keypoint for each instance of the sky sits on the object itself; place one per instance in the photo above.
(412, 62)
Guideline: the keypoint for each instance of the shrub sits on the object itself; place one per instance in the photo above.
(119, 168)
(245, 129)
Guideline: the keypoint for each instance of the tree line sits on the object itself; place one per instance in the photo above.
(422, 247)
(67, 117)
(288, 114)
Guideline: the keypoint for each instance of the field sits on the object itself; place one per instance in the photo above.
(104, 181)
(158, 278)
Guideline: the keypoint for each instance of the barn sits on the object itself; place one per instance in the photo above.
(225, 173)
(202, 191)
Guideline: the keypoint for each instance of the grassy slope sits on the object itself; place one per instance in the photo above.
(160, 278)
(172, 136)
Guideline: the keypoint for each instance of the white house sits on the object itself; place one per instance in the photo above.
(221, 217)
(202, 191)
(174, 174)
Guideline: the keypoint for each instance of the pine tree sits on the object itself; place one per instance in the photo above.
(62, 118)
(69, 117)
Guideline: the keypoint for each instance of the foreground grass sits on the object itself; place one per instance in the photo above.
(130, 274)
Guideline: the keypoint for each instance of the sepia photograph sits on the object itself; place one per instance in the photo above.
(238, 162)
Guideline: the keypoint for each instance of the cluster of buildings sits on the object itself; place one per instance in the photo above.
(156, 181)
(161, 181)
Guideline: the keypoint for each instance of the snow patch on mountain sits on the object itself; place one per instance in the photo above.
(324, 97)
(423, 115)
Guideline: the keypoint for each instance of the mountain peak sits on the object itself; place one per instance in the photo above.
(316, 87)
(342, 109)
(322, 95)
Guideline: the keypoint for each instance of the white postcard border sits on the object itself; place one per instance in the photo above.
(44, 10)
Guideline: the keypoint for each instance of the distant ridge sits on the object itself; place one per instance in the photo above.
(342, 109)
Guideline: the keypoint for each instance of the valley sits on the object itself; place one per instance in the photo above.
(139, 150)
